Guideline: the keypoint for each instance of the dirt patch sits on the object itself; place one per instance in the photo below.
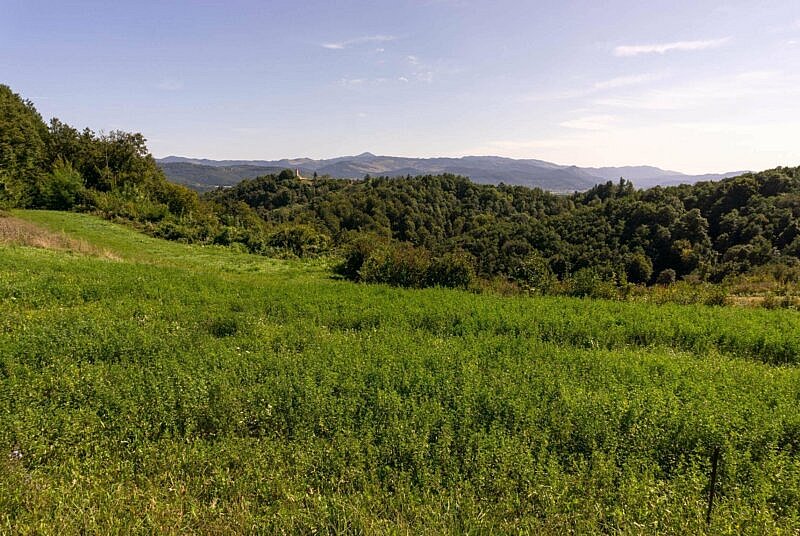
(19, 232)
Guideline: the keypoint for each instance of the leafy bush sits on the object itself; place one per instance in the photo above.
(716, 296)
(227, 235)
(533, 275)
(61, 188)
(301, 240)
(452, 270)
(356, 252)
(587, 282)
(639, 268)
(398, 264)
(666, 277)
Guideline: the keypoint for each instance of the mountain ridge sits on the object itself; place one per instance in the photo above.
(204, 173)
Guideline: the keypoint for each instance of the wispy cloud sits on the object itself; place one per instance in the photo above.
(592, 122)
(169, 84)
(361, 82)
(340, 45)
(702, 93)
(626, 81)
(663, 48)
(599, 86)
(352, 82)
(420, 70)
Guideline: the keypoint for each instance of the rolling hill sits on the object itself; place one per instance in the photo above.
(204, 174)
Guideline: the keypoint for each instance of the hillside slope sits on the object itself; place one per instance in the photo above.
(710, 229)
(179, 388)
(204, 178)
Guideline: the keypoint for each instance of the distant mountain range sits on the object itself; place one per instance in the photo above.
(203, 174)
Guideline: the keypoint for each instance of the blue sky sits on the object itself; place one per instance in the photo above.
(695, 86)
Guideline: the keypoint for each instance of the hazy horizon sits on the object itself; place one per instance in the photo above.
(690, 86)
(713, 172)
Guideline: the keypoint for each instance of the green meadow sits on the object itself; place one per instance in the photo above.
(152, 387)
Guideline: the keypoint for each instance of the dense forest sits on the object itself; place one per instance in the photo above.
(419, 231)
(612, 232)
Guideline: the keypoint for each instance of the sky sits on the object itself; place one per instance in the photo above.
(693, 86)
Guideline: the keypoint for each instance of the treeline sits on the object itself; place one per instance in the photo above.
(55, 166)
(421, 231)
(612, 234)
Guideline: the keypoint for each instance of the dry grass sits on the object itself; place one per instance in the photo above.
(14, 231)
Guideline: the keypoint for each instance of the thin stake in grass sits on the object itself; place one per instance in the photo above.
(713, 484)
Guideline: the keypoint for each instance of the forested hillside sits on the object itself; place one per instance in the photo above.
(57, 166)
(420, 231)
(203, 178)
(199, 173)
(708, 230)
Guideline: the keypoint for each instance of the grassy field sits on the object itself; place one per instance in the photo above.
(153, 387)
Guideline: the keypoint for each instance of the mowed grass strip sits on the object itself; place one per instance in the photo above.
(186, 395)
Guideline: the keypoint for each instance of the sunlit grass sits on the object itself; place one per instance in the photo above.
(188, 389)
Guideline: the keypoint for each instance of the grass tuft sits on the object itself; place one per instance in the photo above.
(223, 327)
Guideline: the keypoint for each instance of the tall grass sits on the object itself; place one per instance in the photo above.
(15, 231)
(189, 389)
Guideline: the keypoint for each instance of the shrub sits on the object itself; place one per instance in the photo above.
(638, 268)
(168, 230)
(666, 277)
(587, 282)
(533, 274)
(398, 264)
(61, 188)
(302, 240)
(356, 253)
(717, 295)
(227, 235)
(453, 270)
(180, 200)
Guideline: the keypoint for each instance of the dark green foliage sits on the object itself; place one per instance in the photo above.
(300, 240)
(399, 264)
(22, 149)
(709, 230)
(534, 274)
(223, 327)
(62, 188)
(373, 259)
(638, 268)
(451, 270)
(666, 277)
(356, 252)
(590, 283)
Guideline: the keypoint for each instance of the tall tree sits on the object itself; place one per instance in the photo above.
(22, 148)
